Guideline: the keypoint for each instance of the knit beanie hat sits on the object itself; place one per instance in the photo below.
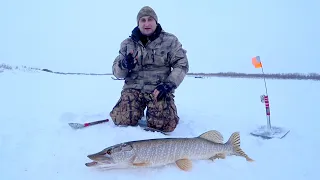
(147, 11)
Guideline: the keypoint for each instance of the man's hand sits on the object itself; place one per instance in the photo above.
(162, 90)
(128, 62)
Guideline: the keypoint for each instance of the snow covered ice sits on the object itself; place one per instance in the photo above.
(37, 143)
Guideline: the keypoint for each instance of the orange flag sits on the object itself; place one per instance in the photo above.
(256, 62)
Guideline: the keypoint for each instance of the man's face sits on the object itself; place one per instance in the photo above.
(147, 25)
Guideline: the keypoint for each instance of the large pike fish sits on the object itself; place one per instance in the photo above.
(159, 152)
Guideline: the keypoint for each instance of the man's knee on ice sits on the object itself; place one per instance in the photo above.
(129, 109)
(162, 115)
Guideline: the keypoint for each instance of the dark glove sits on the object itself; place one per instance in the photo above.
(164, 89)
(128, 62)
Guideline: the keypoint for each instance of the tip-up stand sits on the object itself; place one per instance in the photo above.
(268, 131)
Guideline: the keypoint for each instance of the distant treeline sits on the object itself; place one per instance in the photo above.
(284, 76)
(296, 76)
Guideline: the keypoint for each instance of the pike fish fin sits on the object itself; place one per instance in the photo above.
(218, 156)
(184, 164)
(213, 135)
(234, 140)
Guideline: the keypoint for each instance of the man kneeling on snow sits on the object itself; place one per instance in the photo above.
(153, 64)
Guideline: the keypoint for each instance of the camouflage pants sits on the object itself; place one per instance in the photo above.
(161, 115)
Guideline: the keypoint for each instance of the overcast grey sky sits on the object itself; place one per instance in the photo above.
(78, 35)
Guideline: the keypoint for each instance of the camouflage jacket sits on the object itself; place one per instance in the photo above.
(161, 60)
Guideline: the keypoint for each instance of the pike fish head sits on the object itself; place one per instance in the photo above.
(116, 156)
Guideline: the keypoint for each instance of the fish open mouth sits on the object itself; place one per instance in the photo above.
(90, 164)
(97, 163)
